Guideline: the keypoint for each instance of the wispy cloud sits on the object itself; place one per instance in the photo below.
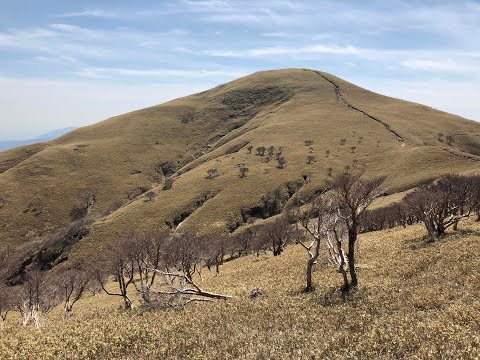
(441, 65)
(287, 50)
(89, 13)
(160, 73)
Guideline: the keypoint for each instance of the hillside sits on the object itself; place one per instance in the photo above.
(417, 301)
(124, 156)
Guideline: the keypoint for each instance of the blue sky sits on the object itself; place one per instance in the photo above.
(72, 63)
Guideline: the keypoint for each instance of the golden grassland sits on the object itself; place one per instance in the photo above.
(282, 108)
(416, 301)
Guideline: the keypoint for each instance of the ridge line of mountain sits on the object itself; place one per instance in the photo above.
(342, 100)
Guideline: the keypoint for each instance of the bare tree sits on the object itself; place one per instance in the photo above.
(119, 262)
(88, 198)
(151, 195)
(278, 153)
(327, 153)
(314, 223)
(73, 284)
(352, 195)
(281, 162)
(184, 253)
(279, 233)
(336, 254)
(249, 149)
(243, 171)
(33, 298)
(308, 142)
(212, 173)
(216, 250)
(168, 183)
(181, 285)
(261, 150)
(310, 159)
(150, 255)
(6, 304)
(271, 151)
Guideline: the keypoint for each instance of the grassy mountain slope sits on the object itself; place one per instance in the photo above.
(40, 185)
(416, 301)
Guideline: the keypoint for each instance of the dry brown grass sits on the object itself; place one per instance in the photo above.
(416, 301)
(297, 105)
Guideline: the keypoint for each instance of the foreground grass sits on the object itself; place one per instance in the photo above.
(416, 301)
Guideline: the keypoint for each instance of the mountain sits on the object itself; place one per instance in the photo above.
(11, 144)
(302, 112)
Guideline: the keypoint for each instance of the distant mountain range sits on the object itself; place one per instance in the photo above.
(11, 144)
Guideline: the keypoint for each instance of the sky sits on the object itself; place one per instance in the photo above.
(73, 63)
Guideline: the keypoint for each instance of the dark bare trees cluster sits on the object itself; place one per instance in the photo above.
(160, 268)
(440, 204)
(444, 202)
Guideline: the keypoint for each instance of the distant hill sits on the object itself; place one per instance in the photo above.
(11, 144)
(316, 122)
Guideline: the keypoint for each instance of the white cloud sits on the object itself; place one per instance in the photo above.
(160, 73)
(440, 65)
(288, 50)
(88, 13)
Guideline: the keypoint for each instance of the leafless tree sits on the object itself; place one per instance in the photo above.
(72, 285)
(353, 149)
(182, 287)
(243, 171)
(216, 250)
(327, 153)
(336, 233)
(281, 162)
(314, 223)
(119, 262)
(168, 183)
(249, 149)
(261, 150)
(88, 198)
(7, 304)
(310, 159)
(212, 173)
(184, 253)
(279, 233)
(329, 171)
(278, 153)
(352, 195)
(150, 254)
(308, 142)
(34, 297)
(151, 195)
(270, 151)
